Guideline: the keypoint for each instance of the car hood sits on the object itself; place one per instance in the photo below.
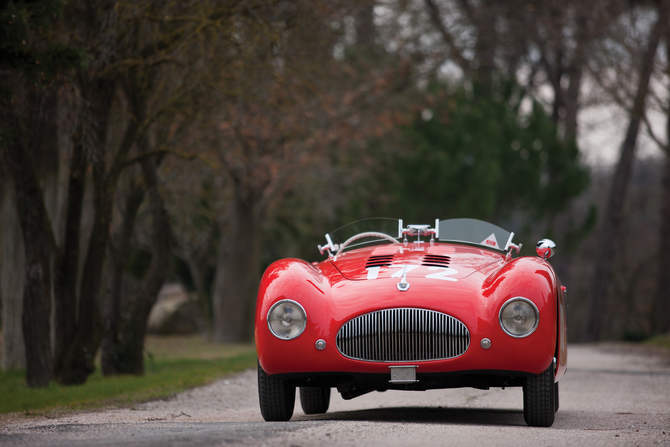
(443, 261)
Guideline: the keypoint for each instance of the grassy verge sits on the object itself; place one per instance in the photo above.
(172, 364)
(659, 340)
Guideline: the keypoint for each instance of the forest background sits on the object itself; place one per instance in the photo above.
(197, 141)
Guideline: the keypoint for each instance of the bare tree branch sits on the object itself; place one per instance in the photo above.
(436, 18)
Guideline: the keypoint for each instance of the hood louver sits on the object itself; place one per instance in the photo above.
(435, 261)
(379, 261)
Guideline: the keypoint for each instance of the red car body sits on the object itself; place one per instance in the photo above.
(468, 282)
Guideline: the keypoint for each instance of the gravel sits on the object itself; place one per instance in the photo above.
(613, 394)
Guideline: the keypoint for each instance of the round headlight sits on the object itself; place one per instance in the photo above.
(287, 319)
(519, 317)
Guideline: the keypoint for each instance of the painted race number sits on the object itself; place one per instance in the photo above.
(398, 274)
(441, 273)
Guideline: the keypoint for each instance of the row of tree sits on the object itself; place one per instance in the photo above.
(119, 86)
(201, 140)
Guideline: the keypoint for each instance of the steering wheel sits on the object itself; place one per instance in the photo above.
(344, 244)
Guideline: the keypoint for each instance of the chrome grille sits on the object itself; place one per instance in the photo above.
(403, 335)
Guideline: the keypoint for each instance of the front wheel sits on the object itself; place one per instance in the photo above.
(277, 397)
(539, 399)
(315, 400)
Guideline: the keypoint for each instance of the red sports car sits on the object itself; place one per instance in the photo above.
(411, 308)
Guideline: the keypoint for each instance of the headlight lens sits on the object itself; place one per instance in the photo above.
(287, 319)
(519, 317)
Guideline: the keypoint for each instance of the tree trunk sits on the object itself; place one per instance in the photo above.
(78, 364)
(366, 32)
(660, 317)
(78, 360)
(571, 103)
(65, 290)
(11, 283)
(127, 351)
(609, 230)
(32, 157)
(198, 270)
(237, 274)
(38, 248)
(575, 71)
(484, 19)
(119, 256)
(661, 308)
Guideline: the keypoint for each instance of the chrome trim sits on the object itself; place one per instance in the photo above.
(403, 335)
(267, 319)
(509, 241)
(420, 230)
(329, 246)
(320, 344)
(545, 248)
(519, 298)
(403, 285)
(485, 343)
(511, 246)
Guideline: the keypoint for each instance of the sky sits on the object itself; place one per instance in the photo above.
(601, 132)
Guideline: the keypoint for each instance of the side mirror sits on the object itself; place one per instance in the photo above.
(545, 248)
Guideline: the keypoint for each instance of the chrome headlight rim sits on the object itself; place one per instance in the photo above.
(532, 305)
(299, 306)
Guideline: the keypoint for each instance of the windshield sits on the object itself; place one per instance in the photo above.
(469, 231)
(473, 231)
(377, 225)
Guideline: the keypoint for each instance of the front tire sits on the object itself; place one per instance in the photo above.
(315, 400)
(539, 399)
(277, 397)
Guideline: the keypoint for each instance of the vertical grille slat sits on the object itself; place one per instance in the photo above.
(402, 335)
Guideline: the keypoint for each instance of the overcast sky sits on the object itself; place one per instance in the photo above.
(601, 132)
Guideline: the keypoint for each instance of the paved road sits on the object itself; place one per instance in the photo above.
(612, 395)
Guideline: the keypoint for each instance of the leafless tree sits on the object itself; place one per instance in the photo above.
(613, 216)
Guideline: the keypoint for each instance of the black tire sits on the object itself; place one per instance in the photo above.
(539, 403)
(556, 395)
(277, 397)
(315, 400)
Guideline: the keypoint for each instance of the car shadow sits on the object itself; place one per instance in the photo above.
(435, 415)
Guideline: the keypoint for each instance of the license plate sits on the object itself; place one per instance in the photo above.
(400, 374)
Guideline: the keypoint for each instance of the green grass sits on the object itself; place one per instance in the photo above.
(659, 340)
(172, 365)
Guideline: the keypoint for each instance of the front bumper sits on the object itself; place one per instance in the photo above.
(351, 385)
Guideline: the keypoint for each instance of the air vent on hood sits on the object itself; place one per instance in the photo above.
(379, 261)
(435, 260)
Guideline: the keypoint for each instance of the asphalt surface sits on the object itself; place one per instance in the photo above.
(612, 395)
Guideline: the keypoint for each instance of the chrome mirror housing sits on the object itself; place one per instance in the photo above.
(545, 248)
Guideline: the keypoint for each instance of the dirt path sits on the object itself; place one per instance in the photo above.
(611, 395)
